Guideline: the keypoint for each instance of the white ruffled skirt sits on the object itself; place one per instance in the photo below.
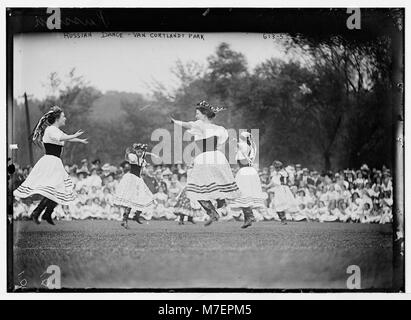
(283, 198)
(48, 178)
(133, 193)
(252, 195)
(211, 178)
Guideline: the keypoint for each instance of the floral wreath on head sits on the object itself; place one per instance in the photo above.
(140, 146)
(206, 105)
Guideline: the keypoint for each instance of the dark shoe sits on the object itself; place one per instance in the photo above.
(137, 219)
(180, 223)
(248, 223)
(35, 217)
(39, 209)
(47, 217)
(124, 224)
(210, 221)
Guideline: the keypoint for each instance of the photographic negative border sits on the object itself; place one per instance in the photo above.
(294, 21)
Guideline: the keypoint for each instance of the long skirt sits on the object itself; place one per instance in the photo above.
(49, 179)
(252, 195)
(283, 198)
(211, 178)
(185, 206)
(133, 193)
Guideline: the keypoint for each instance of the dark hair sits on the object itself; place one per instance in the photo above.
(55, 115)
(47, 119)
(207, 112)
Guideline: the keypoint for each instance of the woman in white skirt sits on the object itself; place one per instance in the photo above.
(284, 200)
(132, 192)
(48, 178)
(248, 181)
(211, 177)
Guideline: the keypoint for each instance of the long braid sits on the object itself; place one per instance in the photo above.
(38, 132)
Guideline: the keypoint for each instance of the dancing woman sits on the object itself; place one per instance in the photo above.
(48, 177)
(211, 177)
(132, 192)
(248, 181)
(283, 197)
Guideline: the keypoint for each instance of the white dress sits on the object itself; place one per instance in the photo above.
(48, 177)
(211, 177)
(132, 192)
(249, 183)
(283, 198)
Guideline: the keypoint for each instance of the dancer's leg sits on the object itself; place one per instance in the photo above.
(126, 213)
(220, 203)
(190, 219)
(181, 219)
(281, 215)
(49, 210)
(209, 208)
(137, 217)
(39, 209)
(248, 217)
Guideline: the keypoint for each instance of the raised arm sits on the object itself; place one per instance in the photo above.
(73, 137)
(184, 124)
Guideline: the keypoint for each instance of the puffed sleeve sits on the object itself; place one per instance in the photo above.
(54, 133)
(197, 128)
(132, 158)
(222, 135)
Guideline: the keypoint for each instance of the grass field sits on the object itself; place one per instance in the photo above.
(162, 254)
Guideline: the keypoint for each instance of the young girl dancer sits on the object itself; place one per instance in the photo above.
(211, 177)
(283, 198)
(248, 181)
(184, 207)
(132, 192)
(48, 177)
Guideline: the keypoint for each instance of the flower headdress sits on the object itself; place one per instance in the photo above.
(206, 105)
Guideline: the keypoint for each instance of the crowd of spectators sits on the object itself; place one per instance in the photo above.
(357, 196)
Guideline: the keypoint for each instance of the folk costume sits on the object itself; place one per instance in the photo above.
(248, 181)
(211, 177)
(48, 178)
(132, 192)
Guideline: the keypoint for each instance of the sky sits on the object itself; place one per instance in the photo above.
(125, 61)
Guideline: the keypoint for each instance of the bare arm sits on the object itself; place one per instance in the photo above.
(71, 137)
(84, 141)
(186, 125)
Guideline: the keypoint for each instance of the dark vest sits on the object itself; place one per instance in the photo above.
(53, 149)
(209, 144)
(135, 169)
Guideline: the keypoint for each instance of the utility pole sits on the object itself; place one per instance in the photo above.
(26, 104)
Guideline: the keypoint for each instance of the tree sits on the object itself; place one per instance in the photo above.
(226, 71)
(76, 98)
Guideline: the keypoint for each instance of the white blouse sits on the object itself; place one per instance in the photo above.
(203, 130)
(52, 135)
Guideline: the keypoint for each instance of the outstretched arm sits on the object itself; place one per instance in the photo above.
(70, 137)
(186, 125)
(85, 141)
(73, 137)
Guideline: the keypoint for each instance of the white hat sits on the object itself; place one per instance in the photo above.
(245, 134)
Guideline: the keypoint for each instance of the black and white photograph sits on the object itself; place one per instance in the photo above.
(205, 149)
